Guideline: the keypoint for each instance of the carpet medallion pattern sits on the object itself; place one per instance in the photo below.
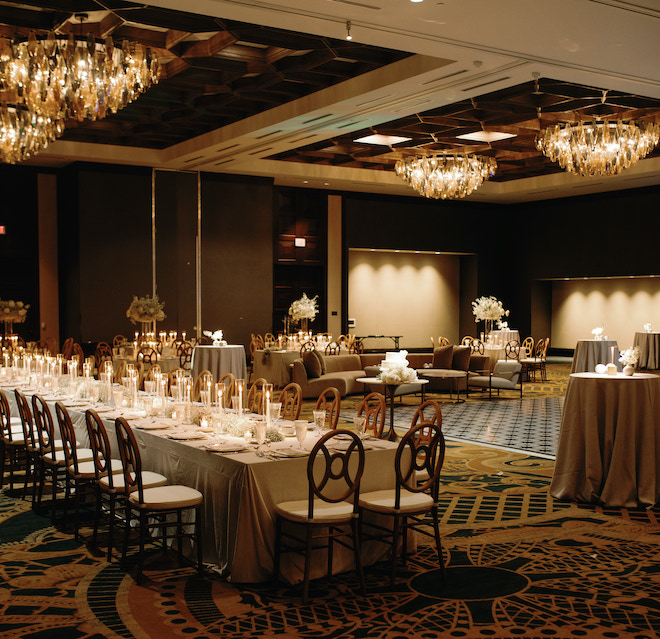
(518, 564)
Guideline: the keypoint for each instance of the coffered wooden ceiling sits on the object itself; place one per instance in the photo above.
(255, 97)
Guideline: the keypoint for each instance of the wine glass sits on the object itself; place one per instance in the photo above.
(319, 419)
(360, 423)
(301, 431)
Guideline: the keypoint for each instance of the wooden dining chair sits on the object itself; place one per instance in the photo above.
(33, 466)
(443, 341)
(476, 347)
(118, 340)
(329, 401)
(291, 399)
(157, 509)
(78, 353)
(109, 477)
(332, 349)
(374, 409)
(330, 512)
(512, 350)
(12, 444)
(422, 448)
(255, 398)
(200, 383)
(67, 348)
(230, 382)
(306, 347)
(428, 411)
(102, 353)
(185, 353)
(78, 464)
(528, 346)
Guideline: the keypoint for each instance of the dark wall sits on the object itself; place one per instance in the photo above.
(237, 255)
(19, 245)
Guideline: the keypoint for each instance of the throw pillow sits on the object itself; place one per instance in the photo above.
(442, 356)
(461, 359)
(312, 364)
(321, 362)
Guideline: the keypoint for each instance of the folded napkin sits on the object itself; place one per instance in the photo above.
(184, 436)
(287, 451)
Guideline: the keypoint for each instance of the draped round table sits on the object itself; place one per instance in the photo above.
(220, 360)
(649, 350)
(589, 352)
(609, 442)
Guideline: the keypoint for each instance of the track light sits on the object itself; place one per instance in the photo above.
(348, 30)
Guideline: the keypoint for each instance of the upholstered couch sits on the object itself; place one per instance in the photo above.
(316, 372)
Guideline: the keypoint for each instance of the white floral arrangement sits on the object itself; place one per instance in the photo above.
(216, 336)
(630, 356)
(394, 369)
(488, 308)
(597, 332)
(647, 327)
(304, 308)
(146, 309)
(501, 325)
(236, 425)
(13, 311)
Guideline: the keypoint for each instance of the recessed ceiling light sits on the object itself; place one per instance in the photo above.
(486, 136)
(383, 140)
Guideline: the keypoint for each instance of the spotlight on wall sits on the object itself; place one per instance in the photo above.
(3, 230)
(348, 30)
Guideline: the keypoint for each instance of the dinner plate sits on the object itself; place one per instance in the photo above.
(154, 426)
(226, 447)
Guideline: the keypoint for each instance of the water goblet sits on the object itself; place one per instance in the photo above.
(275, 410)
(301, 430)
(150, 386)
(360, 423)
(319, 419)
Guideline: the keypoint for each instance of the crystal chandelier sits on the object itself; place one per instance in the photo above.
(44, 82)
(598, 148)
(445, 176)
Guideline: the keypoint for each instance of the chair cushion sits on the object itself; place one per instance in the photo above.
(460, 360)
(324, 512)
(442, 356)
(507, 370)
(382, 501)
(167, 497)
(88, 470)
(149, 480)
(312, 364)
(84, 455)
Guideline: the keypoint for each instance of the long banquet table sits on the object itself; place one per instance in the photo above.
(240, 490)
(609, 442)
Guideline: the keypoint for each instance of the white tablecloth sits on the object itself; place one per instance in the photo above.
(609, 443)
(219, 360)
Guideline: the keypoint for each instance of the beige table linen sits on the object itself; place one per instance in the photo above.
(649, 350)
(609, 442)
(220, 360)
(240, 492)
(274, 366)
(589, 352)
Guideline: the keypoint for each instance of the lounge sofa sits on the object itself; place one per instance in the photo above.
(316, 372)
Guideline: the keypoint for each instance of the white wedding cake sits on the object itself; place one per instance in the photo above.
(394, 369)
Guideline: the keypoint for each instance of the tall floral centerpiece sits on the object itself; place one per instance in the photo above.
(489, 309)
(629, 359)
(147, 311)
(304, 310)
(12, 312)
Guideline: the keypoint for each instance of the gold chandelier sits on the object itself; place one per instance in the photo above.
(598, 148)
(446, 176)
(44, 82)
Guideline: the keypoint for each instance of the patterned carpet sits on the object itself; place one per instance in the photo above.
(519, 564)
